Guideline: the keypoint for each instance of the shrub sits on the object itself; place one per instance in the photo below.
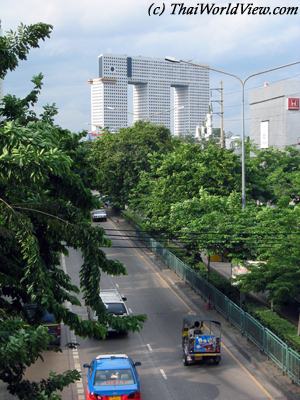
(284, 329)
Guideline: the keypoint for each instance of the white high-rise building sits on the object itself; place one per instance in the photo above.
(162, 92)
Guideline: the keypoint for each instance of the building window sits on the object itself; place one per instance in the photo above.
(264, 134)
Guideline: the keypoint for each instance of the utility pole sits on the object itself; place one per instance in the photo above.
(222, 134)
(220, 113)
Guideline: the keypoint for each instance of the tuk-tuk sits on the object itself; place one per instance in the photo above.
(201, 339)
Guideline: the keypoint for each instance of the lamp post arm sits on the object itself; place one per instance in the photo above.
(213, 69)
(270, 70)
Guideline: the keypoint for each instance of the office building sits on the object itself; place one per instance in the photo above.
(162, 92)
(275, 114)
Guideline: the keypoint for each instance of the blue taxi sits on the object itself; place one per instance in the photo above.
(112, 377)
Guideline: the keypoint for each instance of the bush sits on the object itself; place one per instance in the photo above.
(284, 329)
(133, 218)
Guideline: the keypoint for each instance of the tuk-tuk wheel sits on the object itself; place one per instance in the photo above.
(185, 361)
(217, 360)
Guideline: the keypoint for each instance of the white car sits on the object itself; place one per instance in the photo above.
(99, 215)
(114, 303)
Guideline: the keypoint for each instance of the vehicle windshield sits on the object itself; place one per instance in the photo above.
(111, 377)
(115, 308)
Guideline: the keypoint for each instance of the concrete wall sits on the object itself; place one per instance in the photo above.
(269, 103)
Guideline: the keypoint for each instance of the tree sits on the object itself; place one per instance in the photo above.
(15, 46)
(44, 209)
(215, 225)
(179, 175)
(121, 157)
(274, 175)
(278, 250)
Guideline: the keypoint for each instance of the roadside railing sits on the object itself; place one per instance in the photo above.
(283, 356)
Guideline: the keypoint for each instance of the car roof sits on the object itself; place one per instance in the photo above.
(111, 296)
(111, 361)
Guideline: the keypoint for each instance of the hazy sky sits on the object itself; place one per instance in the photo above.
(241, 44)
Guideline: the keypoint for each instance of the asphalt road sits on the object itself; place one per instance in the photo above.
(159, 293)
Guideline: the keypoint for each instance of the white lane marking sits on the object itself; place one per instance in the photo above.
(130, 310)
(149, 347)
(117, 285)
(163, 374)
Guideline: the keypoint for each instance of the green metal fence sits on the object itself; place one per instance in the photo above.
(284, 357)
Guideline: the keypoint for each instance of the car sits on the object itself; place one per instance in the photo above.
(37, 315)
(112, 377)
(99, 215)
(115, 305)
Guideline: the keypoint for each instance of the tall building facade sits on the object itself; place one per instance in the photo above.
(275, 114)
(153, 81)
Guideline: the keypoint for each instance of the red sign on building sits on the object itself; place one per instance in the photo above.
(293, 103)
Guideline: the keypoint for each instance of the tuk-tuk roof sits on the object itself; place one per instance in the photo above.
(190, 319)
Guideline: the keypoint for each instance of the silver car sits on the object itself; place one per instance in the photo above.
(99, 215)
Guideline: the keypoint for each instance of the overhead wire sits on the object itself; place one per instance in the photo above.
(261, 241)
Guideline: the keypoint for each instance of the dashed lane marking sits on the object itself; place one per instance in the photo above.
(149, 347)
(163, 374)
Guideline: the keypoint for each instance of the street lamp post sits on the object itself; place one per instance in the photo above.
(243, 83)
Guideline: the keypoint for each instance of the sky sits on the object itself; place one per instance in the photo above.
(83, 29)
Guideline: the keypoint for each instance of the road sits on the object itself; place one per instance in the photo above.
(159, 293)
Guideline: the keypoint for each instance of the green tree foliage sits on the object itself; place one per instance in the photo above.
(215, 225)
(274, 175)
(15, 109)
(191, 194)
(277, 234)
(120, 158)
(45, 208)
(15, 46)
(179, 175)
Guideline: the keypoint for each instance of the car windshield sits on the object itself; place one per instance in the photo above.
(115, 308)
(111, 377)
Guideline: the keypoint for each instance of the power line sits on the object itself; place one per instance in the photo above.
(195, 233)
